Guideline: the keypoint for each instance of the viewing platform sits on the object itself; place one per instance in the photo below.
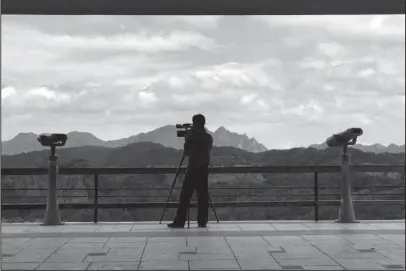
(229, 245)
(318, 244)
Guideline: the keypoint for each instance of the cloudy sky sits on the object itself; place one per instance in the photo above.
(285, 80)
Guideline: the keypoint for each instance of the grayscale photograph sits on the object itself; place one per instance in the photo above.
(264, 142)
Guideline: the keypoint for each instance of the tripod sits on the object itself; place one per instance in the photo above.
(170, 194)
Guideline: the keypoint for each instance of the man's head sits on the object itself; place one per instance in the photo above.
(199, 121)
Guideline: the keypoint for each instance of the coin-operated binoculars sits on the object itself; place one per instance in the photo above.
(52, 216)
(344, 139)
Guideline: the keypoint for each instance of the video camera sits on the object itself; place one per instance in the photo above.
(49, 140)
(186, 127)
(348, 137)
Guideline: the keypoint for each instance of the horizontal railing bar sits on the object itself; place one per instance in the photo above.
(121, 205)
(212, 188)
(213, 170)
(212, 195)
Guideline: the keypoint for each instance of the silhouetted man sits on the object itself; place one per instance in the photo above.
(197, 147)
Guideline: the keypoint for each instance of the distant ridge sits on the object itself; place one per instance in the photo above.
(165, 135)
(375, 148)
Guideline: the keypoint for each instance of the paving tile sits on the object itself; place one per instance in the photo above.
(306, 262)
(113, 266)
(161, 240)
(9, 251)
(258, 264)
(359, 226)
(213, 247)
(334, 249)
(63, 266)
(322, 237)
(358, 255)
(89, 240)
(15, 242)
(125, 251)
(256, 227)
(167, 255)
(66, 258)
(19, 266)
(255, 254)
(198, 239)
(206, 256)
(83, 250)
(29, 256)
(79, 229)
(286, 240)
(114, 258)
(148, 228)
(44, 229)
(385, 226)
(114, 228)
(398, 239)
(7, 229)
(82, 246)
(326, 242)
(287, 256)
(191, 229)
(323, 267)
(141, 240)
(322, 226)
(124, 245)
(229, 229)
(388, 262)
(376, 246)
(357, 264)
(290, 227)
(392, 253)
(164, 265)
(301, 249)
(214, 264)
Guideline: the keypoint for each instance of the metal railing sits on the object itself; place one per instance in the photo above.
(316, 202)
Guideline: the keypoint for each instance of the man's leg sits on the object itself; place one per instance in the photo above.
(202, 196)
(184, 200)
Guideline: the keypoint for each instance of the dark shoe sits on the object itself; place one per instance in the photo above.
(175, 226)
(200, 225)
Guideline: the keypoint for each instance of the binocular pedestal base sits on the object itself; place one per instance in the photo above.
(346, 213)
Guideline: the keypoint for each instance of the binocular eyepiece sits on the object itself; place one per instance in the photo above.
(348, 137)
(186, 129)
(49, 140)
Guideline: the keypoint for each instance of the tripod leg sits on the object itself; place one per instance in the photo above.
(214, 209)
(188, 216)
(172, 187)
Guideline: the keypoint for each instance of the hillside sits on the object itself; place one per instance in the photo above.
(156, 187)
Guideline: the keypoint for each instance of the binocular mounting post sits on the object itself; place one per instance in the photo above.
(346, 213)
(52, 216)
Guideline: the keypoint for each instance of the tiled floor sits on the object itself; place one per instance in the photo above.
(293, 245)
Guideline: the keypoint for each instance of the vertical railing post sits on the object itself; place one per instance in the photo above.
(346, 213)
(52, 215)
(96, 198)
(316, 196)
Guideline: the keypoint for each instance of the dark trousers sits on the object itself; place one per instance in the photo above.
(195, 179)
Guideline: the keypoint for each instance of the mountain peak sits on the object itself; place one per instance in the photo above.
(22, 135)
(221, 129)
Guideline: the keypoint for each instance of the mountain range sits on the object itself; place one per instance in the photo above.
(165, 135)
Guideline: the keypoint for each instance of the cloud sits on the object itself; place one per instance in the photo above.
(285, 80)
